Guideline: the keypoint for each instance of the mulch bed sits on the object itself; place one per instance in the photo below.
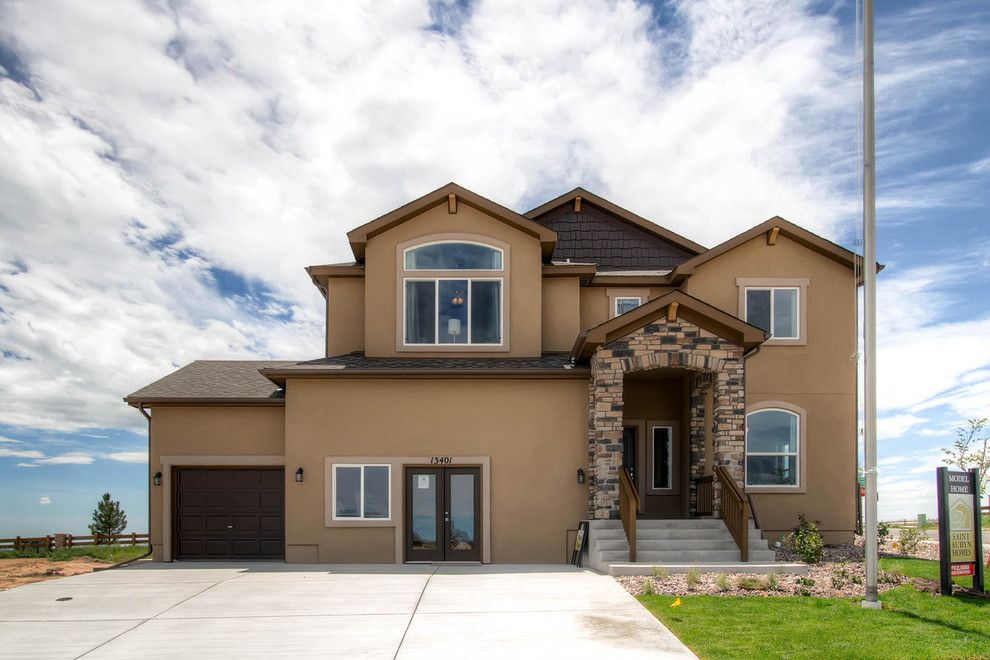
(840, 574)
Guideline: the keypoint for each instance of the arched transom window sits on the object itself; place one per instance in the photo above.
(458, 298)
(773, 436)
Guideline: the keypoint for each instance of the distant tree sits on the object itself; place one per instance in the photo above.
(972, 449)
(108, 519)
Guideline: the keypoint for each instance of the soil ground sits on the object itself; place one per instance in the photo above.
(15, 572)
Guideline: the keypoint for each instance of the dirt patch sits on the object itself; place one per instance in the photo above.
(15, 572)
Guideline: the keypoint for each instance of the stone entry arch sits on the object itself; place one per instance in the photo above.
(713, 362)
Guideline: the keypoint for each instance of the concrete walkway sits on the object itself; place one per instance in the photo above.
(276, 610)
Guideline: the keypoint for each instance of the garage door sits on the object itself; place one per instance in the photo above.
(230, 513)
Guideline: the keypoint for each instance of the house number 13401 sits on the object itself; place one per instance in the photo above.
(441, 460)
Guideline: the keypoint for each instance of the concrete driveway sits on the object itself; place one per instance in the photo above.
(276, 610)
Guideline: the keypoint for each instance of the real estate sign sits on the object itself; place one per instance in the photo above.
(960, 542)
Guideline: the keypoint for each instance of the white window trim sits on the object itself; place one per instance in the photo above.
(500, 251)
(771, 289)
(436, 311)
(798, 455)
(333, 491)
(617, 299)
(670, 457)
(800, 283)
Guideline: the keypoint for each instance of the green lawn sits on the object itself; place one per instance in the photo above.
(912, 624)
(110, 553)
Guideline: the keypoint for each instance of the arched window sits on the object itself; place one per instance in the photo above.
(773, 437)
(453, 255)
(452, 294)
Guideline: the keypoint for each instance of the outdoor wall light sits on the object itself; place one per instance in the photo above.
(157, 479)
(299, 475)
(580, 475)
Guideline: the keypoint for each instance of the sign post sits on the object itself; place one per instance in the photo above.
(960, 536)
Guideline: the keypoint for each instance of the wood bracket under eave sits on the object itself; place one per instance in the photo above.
(772, 236)
(451, 203)
(672, 311)
(577, 204)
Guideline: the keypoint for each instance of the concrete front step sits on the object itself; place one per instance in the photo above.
(680, 556)
(722, 543)
(760, 568)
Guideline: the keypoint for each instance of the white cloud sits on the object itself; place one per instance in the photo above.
(27, 465)
(897, 425)
(128, 456)
(45, 500)
(10, 440)
(20, 453)
(72, 458)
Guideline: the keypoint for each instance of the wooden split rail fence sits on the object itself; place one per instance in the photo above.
(58, 541)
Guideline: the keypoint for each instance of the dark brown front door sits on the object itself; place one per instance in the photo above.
(229, 513)
(443, 514)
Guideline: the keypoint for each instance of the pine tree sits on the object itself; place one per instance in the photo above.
(108, 519)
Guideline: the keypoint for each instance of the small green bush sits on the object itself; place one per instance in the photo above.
(804, 585)
(722, 582)
(660, 572)
(773, 582)
(883, 533)
(648, 589)
(910, 538)
(693, 577)
(750, 583)
(806, 540)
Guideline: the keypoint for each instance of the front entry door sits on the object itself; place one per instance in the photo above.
(443, 514)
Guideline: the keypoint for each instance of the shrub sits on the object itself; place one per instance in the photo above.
(910, 538)
(648, 589)
(804, 585)
(750, 583)
(693, 577)
(883, 533)
(773, 582)
(806, 540)
(722, 582)
(660, 572)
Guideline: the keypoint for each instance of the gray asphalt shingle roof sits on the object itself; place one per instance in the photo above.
(215, 379)
(358, 361)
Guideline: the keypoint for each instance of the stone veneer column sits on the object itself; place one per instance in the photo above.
(663, 344)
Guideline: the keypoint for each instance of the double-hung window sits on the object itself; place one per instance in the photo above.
(775, 310)
(361, 492)
(446, 307)
(773, 437)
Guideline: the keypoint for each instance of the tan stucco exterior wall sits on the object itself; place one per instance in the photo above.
(345, 315)
(819, 377)
(532, 432)
(561, 312)
(522, 291)
(205, 431)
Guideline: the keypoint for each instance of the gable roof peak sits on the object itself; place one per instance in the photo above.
(358, 237)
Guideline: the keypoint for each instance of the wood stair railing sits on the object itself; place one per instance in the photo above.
(735, 511)
(628, 506)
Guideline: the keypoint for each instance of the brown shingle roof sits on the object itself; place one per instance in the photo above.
(217, 381)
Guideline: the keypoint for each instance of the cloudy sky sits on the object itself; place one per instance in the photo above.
(168, 167)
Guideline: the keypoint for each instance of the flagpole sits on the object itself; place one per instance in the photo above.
(869, 310)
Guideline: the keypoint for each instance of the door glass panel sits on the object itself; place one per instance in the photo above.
(424, 511)
(629, 451)
(662, 457)
(462, 523)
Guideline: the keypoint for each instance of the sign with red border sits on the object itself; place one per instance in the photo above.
(959, 570)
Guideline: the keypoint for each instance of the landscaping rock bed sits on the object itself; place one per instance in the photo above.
(839, 574)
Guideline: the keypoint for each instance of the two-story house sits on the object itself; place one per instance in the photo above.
(491, 378)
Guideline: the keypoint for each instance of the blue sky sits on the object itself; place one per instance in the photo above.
(169, 168)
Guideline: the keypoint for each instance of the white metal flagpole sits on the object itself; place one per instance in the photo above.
(869, 310)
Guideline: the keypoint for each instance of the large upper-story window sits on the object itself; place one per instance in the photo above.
(446, 308)
(773, 438)
(778, 305)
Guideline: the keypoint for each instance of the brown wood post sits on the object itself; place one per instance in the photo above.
(68, 540)
(133, 538)
(48, 543)
(17, 543)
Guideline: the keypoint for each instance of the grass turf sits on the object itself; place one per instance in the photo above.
(912, 624)
(111, 553)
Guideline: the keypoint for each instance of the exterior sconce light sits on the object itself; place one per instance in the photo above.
(580, 475)
(157, 479)
(299, 476)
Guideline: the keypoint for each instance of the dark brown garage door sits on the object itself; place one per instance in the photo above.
(229, 513)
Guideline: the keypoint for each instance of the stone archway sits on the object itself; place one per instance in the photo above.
(713, 362)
